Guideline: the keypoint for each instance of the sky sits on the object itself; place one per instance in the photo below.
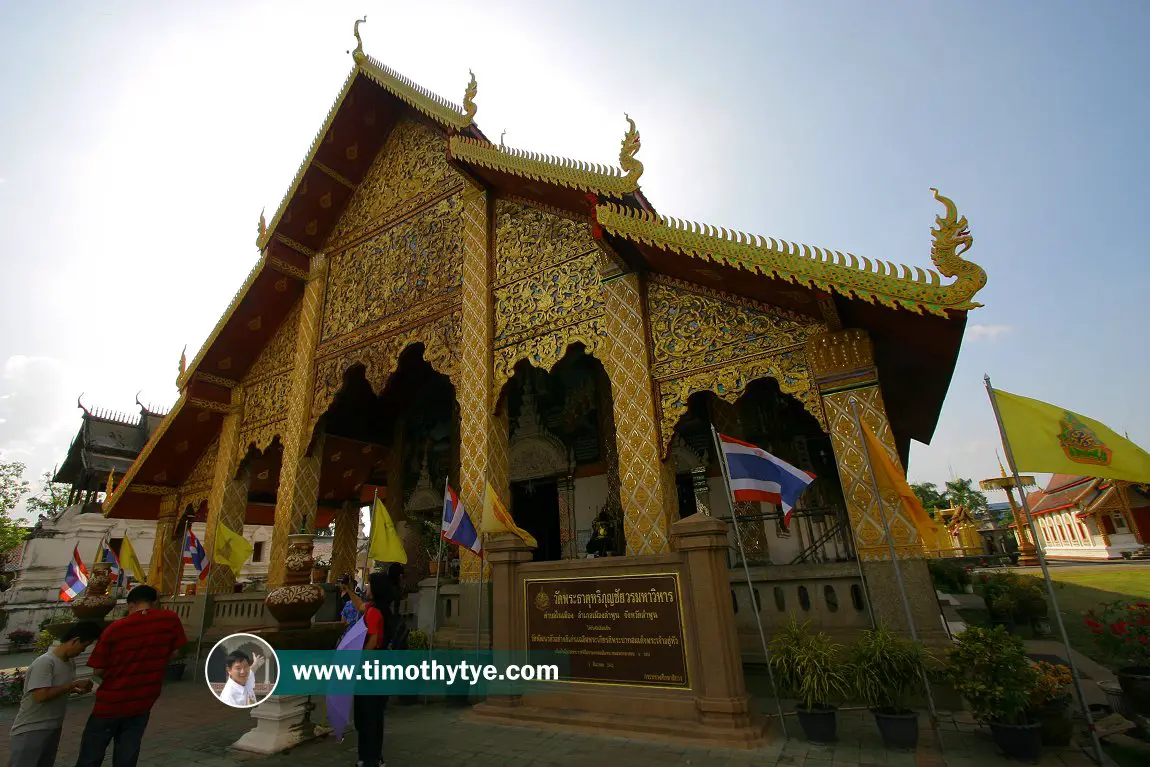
(139, 142)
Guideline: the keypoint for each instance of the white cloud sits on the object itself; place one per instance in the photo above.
(988, 332)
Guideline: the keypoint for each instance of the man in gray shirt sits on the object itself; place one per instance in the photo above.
(47, 683)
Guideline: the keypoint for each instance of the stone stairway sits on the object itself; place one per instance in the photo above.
(1142, 553)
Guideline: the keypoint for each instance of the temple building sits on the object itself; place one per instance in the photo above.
(430, 307)
(1089, 518)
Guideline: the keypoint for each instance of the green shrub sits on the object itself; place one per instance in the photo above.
(989, 668)
(885, 670)
(808, 666)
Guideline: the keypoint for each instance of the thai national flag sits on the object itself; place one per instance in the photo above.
(76, 579)
(756, 475)
(457, 527)
(109, 556)
(194, 554)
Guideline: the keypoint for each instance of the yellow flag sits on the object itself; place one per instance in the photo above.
(1048, 438)
(130, 561)
(230, 548)
(496, 519)
(890, 478)
(385, 543)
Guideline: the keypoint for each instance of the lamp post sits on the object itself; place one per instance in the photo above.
(1028, 557)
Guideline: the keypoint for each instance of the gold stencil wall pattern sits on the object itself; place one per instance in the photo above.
(642, 488)
(528, 239)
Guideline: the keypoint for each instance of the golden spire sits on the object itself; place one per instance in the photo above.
(358, 40)
(1000, 466)
(469, 108)
(111, 483)
(627, 161)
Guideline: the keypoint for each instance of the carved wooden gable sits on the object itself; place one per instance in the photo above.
(547, 288)
(267, 385)
(397, 251)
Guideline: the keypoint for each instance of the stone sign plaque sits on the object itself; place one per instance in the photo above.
(616, 629)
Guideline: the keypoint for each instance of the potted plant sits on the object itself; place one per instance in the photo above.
(1122, 632)
(19, 639)
(885, 671)
(11, 687)
(44, 641)
(319, 570)
(809, 667)
(989, 668)
(1050, 703)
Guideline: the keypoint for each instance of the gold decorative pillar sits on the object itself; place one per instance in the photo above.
(167, 550)
(343, 544)
(291, 507)
(646, 484)
(725, 418)
(1122, 490)
(845, 372)
(483, 433)
(227, 499)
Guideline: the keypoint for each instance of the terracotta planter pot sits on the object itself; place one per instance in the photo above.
(1018, 741)
(319, 574)
(95, 602)
(1135, 683)
(294, 603)
(432, 568)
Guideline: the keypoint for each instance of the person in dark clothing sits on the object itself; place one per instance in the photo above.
(369, 710)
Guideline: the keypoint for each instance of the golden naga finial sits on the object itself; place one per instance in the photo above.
(501, 135)
(183, 361)
(631, 144)
(263, 227)
(952, 234)
(358, 40)
(469, 108)
(111, 483)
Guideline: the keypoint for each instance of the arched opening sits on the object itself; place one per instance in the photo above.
(818, 530)
(392, 445)
(562, 459)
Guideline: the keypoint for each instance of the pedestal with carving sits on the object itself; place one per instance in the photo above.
(294, 603)
(96, 602)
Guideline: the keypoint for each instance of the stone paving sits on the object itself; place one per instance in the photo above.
(190, 728)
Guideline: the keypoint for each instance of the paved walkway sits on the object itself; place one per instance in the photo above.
(191, 729)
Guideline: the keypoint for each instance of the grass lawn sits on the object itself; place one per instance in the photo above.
(1079, 589)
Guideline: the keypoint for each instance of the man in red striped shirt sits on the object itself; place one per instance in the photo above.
(129, 661)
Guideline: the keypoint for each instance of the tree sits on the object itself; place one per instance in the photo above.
(52, 498)
(962, 492)
(13, 488)
(932, 500)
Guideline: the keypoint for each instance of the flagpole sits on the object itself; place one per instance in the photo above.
(747, 571)
(894, 563)
(1039, 549)
(367, 551)
(438, 558)
(207, 586)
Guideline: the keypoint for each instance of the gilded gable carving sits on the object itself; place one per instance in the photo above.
(418, 260)
(205, 468)
(412, 163)
(528, 239)
(692, 330)
(279, 354)
(559, 295)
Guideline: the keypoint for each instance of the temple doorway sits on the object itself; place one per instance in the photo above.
(535, 508)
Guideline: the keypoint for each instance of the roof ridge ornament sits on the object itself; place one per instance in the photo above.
(183, 362)
(358, 40)
(951, 239)
(630, 146)
(262, 229)
(469, 108)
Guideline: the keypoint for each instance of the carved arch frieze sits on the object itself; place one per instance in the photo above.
(788, 369)
(380, 359)
(546, 350)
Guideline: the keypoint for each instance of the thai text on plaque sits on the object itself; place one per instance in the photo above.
(616, 629)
